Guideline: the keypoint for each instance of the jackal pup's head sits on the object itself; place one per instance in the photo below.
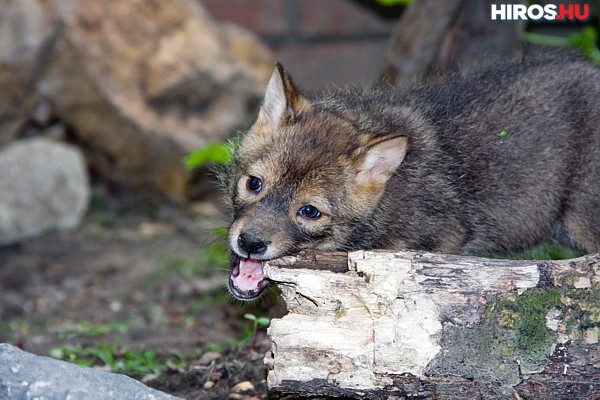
(302, 178)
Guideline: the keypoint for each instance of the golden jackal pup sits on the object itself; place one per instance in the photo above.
(484, 164)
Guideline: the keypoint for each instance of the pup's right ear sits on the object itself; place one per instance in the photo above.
(282, 100)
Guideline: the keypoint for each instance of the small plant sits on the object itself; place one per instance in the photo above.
(86, 328)
(213, 153)
(220, 232)
(213, 258)
(585, 41)
(216, 254)
(545, 251)
(100, 210)
(256, 321)
(110, 356)
(392, 3)
(117, 359)
(214, 347)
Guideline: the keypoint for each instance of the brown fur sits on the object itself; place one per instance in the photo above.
(426, 168)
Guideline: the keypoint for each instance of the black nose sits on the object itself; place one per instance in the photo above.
(252, 244)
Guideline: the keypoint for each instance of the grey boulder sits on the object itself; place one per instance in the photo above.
(43, 186)
(25, 376)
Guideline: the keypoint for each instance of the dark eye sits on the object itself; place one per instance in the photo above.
(254, 184)
(309, 211)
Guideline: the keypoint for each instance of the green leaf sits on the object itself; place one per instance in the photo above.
(263, 321)
(212, 153)
(585, 41)
(502, 134)
(392, 3)
(216, 347)
(220, 232)
(251, 317)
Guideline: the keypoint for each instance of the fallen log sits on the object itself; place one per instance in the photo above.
(381, 325)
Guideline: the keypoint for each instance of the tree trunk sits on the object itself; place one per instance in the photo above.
(438, 37)
(382, 325)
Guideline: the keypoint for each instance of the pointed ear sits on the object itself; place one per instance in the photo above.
(282, 100)
(384, 155)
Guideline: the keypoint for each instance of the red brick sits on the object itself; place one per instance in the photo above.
(338, 17)
(326, 64)
(264, 17)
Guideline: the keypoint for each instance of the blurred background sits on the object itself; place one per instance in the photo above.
(113, 115)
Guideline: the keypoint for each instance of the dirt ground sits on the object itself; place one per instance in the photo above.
(141, 277)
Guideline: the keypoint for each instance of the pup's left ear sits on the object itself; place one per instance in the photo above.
(383, 156)
(282, 100)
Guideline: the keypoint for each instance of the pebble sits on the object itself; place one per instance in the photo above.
(244, 386)
(208, 385)
(209, 357)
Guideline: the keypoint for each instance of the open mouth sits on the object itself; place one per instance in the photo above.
(246, 278)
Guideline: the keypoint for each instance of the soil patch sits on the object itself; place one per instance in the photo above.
(140, 277)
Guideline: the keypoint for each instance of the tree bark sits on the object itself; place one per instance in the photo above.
(436, 37)
(382, 325)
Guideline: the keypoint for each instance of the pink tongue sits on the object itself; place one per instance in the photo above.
(251, 274)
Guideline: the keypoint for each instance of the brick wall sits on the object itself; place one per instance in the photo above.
(320, 42)
(337, 42)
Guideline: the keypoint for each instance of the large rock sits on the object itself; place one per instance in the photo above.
(43, 186)
(143, 82)
(25, 29)
(25, 376)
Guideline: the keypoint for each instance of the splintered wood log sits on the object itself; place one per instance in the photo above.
(381, 325)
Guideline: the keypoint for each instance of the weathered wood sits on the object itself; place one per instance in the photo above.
(421, 325)
(438, 37)
(332, 261)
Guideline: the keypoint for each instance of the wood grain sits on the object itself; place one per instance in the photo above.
(375, 324)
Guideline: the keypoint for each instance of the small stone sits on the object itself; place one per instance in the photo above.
(208, 385)
(206, 209)
(216, 376)
(209, 357)
(150, 229)
(245, 386)
(115, 306)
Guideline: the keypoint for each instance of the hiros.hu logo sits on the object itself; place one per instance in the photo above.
(548, 12)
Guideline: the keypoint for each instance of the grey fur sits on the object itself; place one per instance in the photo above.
(497, 161)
